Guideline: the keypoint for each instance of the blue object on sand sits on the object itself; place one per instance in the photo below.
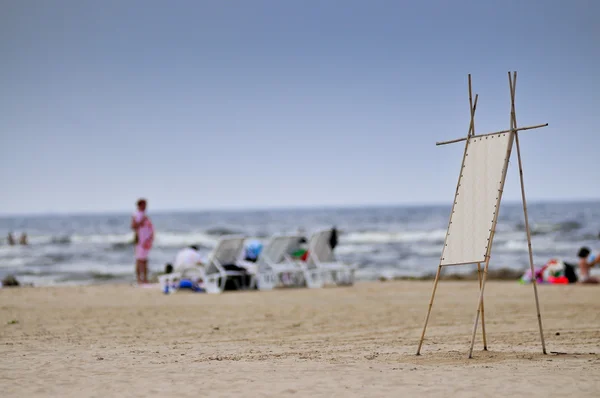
(188, 284)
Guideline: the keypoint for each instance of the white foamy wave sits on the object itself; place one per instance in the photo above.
(395, 237)
(355, 249)
(15, 262)
(91, 268)
(181, 240)
(516, 246)
(162, 239)
(428, 250)
(509, 236)
(103, 239)
(40, 239)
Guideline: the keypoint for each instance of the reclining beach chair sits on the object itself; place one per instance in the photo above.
(225, 266)
(321, 257)
(275, 263)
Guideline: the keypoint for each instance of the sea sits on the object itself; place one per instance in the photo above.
(384, 242)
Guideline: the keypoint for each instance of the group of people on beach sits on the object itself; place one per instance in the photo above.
(144, 238)
(10, 239)
(190, 256)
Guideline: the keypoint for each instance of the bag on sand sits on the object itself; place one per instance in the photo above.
(570, 272)
(237, 282)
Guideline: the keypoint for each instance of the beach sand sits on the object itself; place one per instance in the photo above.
(358, 341)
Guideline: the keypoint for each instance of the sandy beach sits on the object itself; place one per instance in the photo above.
(118, 340)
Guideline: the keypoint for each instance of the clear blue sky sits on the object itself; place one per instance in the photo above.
(236, 104)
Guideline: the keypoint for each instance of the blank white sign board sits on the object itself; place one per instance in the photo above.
(476, 200)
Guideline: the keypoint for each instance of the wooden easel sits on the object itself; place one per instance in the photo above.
(472, 137)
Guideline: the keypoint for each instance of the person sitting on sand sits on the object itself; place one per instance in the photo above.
(587, 260)
(188, 258)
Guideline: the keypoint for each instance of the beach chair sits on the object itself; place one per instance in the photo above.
(321, 257)
(275, 264)
(228, 252)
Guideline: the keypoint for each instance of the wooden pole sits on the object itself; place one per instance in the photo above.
(439, 270)
(479, 305)
(437, 277)
(472, 133)
(472, 125)
(513, 87)
(537, 126)
(482, 309)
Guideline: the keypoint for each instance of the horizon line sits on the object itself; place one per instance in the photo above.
(240, 209)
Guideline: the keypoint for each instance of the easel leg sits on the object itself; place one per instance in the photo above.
(437, 277)
(482, 309)
(537, 301)
(512, 81)
(479, 306)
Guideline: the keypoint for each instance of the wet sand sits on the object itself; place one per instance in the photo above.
(115, 340)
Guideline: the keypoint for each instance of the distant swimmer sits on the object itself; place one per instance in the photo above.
(23, 239)
(10, 239)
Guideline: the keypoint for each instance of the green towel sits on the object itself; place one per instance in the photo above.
(299, 253)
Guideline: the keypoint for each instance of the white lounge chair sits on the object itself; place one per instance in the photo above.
(321, 257)
(274, 262)
(229, 251)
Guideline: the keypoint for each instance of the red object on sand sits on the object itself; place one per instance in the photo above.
(559, 280)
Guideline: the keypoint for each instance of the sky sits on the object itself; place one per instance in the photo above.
(259, 104)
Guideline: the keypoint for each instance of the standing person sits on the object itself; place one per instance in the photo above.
(144, 237)
(23, 239)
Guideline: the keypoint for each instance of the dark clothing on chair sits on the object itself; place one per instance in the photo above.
(333, 239)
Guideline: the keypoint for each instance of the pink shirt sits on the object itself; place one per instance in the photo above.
(145, 230)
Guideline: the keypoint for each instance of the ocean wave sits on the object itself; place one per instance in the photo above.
(121, 246)
(168, 239)
(549, 247)
(14, 262)
(103, 239)
(356, 249)
(547, 228)
(61, 240)
(427, 251)
(55, 258)
(100, 276)
(220, 231)
(124, 241)
(436, 236)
